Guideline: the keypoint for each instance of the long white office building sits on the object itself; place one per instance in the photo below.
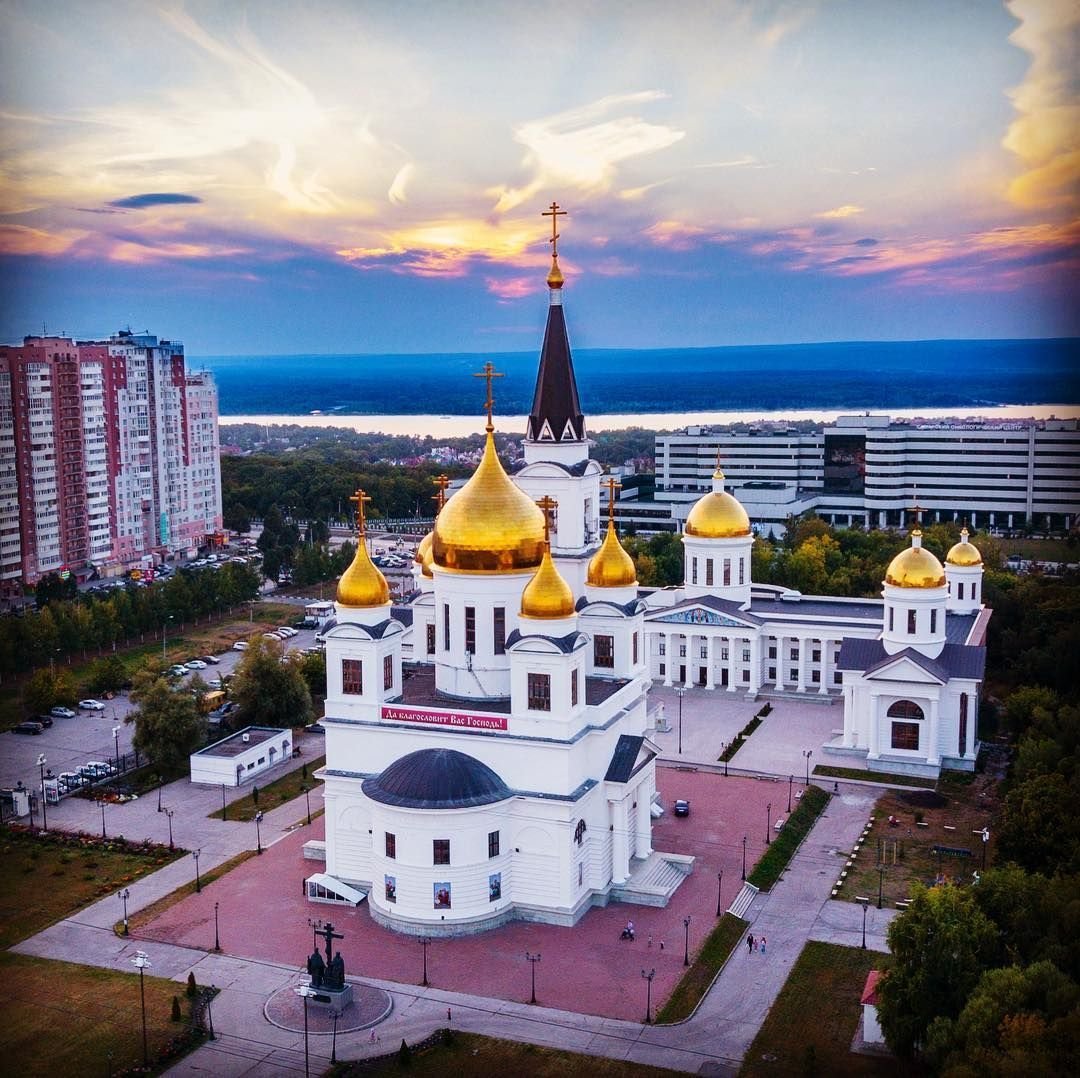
(863, 470)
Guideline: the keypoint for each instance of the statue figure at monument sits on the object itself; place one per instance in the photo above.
(335, 975)
(316, 967)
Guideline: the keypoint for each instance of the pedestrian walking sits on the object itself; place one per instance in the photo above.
(762, 944)
(373, 1037)
(661, 945)
(750, 943)
(650, 942)
(448, 1018)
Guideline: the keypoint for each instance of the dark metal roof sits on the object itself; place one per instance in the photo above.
(958, 627)
(555, 401)
(566, 644)
(818, 606)
(437, 779)
(623, 758)
(404, 614)
(955, 660)
(578, 469)
(629, 609)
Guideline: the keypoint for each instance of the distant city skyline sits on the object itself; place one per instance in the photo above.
(362, 177)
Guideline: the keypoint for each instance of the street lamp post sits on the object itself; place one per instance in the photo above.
(719, 888)
(791, 779)
(217, 938)
(101, 802)
(425, 942)
(744, 858)
(198, 881)
(304, 991)
(864, 902)
(124, 895)
(258, 831)
(880, 884)
(142, 962)
(532, 960)
(41, 761)
(807, 753)
(768, 823)
(724, 747)
(315, 928)
(169, 813)
(224, 810)
(985, 842)
(116, 742)
(680, 693)
(161, 783)
(686, 940)
(209, 1013)
(648, 994)
(307, 797)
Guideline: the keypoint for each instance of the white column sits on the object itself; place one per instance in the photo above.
(933, 752)
(803, 649)
(851, 732)
(875, 731)
(710, 651)
(755, 663)
(643, 835)
(826, 671)
(668, 657)
(732, 644)
(973, 723)
(781, 662)
(620, 843)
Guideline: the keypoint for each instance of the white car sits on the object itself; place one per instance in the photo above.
(91, 705)
(240, 645)
(196, 664)
(285, 630)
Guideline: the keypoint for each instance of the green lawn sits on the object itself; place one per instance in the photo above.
(828, 771)
(695, 982)
(811, 1025)
(470, 1055)
(274, 793)
(49, 876)
(65, 1019)
(780, 851)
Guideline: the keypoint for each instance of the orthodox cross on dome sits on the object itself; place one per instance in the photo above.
(361, 499)
(612, 485)
(327, 932)
(442, 482)
(548, 505)
(554, 213)
(719, 473)
(489, 373)
(917, 511)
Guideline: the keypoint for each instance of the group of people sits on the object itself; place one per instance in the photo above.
(755, 943)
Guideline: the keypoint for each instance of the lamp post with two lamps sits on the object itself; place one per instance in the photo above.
(142, 962)
(744, 858)
(532, 959)
(719, 889)
(258, 831)
(169, 813)
(41, 762)
(198, 881)
(791, 779)
(686, 940)
(307, 797)
(425, 942)
(807, 753)
(648, 994)
(124, 895)
(217, 938)
(116, 742)
(768, 823)
(680, 693)
(101, 802)
(864, 902)
(304, 991)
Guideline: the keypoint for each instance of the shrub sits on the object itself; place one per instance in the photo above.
(191, 984)
(404, 1055)
(176, 1015)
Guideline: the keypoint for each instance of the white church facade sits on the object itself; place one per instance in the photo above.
(487, 749)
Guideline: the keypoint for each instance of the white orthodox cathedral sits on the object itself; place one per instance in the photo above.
(504, 771)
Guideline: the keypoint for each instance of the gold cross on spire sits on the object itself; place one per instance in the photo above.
(612, 485)
(361, 500)
(548, 505)
(554, 213)
(442, 482)
(489, 373)
(917, 512)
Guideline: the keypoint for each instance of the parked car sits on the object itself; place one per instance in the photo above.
(91, 705)
(101, 769)
(240, 645)
(214, 683)
(59, 712)
(28, 728)
(271, 636)
(69, 780)
(682, 808)
(45, 720)
(178, 670)
(287, 630)
(212, 660)
(195, 664)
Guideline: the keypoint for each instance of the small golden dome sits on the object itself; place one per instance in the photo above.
(362, 584)
(555, 277)
(547, 595)
(490, 525)
(915, 567)
(611, 566)
(964, 552)
(718, 515)
(423, 554)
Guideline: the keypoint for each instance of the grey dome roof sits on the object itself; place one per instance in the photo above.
(437, 779)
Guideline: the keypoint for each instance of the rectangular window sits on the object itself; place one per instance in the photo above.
(352, 677)
(838, 678)
(682, 651)
(815, 676)
(815, 655)
(772, 673)
(693, 570)
(933, 621)
(794, 654)
(604, 651)
(746, 675)
(905, 735)
(959, 591)
(663, 669)
(891, 620)
(440, 851)
(727, 572)
(723, 654)
(573, 687)
(746, 655)
(388, 672)
(539, 692)
(663, 647)
(704, 652)
(470, 629)
(499, 629)
(772, 653)
(431, 639)
(742, 570)
(446, 626)
(391, 845)
(635, 642)
(911, 622)
(708, 572)
(793, 674)
(493, 844)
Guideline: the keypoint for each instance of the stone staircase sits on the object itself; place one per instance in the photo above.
(654, 879)
(743, 899)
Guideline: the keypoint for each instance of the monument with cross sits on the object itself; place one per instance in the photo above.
(330, 988)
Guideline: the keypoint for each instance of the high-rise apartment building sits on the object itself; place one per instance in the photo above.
(108, 455)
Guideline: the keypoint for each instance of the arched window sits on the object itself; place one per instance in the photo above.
(905, 729)
(579, 832)
(905, 709)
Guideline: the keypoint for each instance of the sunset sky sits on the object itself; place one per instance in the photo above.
(338, 176)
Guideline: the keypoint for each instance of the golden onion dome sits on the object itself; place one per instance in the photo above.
(718, 515)
(362, 584)
(555, 277)
(611, 566)
(423, 554)
(915, 567)
(964, 552)
(490, 525)
(547, 595)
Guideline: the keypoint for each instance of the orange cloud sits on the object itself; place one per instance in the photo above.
(674, 235)
(840, 212)
(21, 240)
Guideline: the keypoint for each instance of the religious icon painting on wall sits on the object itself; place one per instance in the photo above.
(442, 896)
(495, 886)
(391, 888)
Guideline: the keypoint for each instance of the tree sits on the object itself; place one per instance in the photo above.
(107, 675)
(47, 687)
(313, 671)
(168, 726)
(1040, 828)
(941, 945)
(268, 691)
(51, 587)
